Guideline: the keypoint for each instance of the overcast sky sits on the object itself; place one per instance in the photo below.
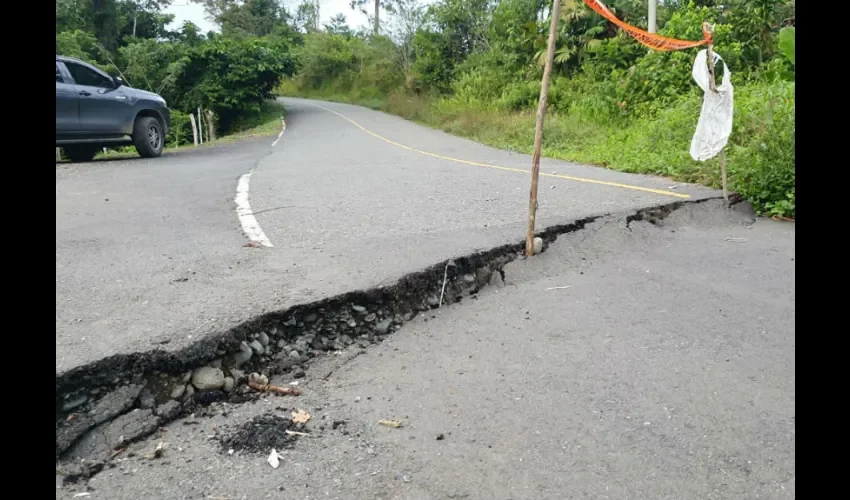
(185, 10)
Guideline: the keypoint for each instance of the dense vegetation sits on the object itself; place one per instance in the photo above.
(233, 73)
(473, 67)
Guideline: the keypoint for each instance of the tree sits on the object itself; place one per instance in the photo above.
(143, 19)
(251, 18)
(306, 17)
(232, 77)
(339, 26)
(407, 20)
(375, 5)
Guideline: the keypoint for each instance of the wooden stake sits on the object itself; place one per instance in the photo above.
(210, 125)
(194, 129)
(713, 86)
(538, 131)
(200, 127)
(723, 176)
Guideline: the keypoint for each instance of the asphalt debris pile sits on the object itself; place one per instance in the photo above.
(262, 433)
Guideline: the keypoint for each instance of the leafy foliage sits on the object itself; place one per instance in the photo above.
(787, 37)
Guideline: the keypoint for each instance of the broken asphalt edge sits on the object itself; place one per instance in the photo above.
(392, 305)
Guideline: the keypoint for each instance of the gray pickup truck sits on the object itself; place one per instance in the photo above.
(95, 110)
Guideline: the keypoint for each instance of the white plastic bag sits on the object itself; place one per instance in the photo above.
(715, 119)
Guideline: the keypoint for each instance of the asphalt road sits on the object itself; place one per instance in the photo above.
(151, 254)
(665, 370)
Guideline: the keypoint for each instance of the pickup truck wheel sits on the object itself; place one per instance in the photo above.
(80, 153)
(148, 137)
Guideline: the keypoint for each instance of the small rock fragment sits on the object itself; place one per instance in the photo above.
(74, 403)
(537, 245)
(243, 355)
(168, 410)
(263, 338)
(146, 399)
(237, 375)
(229, 383)
(257, 347)
(383, 327)
(178, 391)
(157, 451)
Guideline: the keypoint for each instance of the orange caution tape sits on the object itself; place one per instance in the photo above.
(651, 40)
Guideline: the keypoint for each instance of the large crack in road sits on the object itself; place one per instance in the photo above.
(346, 456)
(96, 394)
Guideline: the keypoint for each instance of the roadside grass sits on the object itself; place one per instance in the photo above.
(761, 150)
(264, 123)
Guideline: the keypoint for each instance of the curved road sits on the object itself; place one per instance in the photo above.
(151, 253)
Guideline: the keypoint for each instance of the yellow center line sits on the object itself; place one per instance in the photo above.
(497, 167)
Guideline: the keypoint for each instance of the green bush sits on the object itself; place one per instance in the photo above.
(232, 77)
(180, 132)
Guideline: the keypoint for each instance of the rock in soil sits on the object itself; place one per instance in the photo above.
(178, 391)
(207, 378)
(243, 355)
(263, 338)
(383, 327)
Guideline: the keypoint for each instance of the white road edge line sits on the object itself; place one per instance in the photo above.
(250, 226)
(282, 130)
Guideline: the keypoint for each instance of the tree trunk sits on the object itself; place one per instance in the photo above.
(377, 16)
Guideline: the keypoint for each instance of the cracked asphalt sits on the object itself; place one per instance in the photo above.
(627, 361)
(150, 253)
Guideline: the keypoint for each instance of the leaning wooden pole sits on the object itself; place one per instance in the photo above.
(713, 86)
(538, 132)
